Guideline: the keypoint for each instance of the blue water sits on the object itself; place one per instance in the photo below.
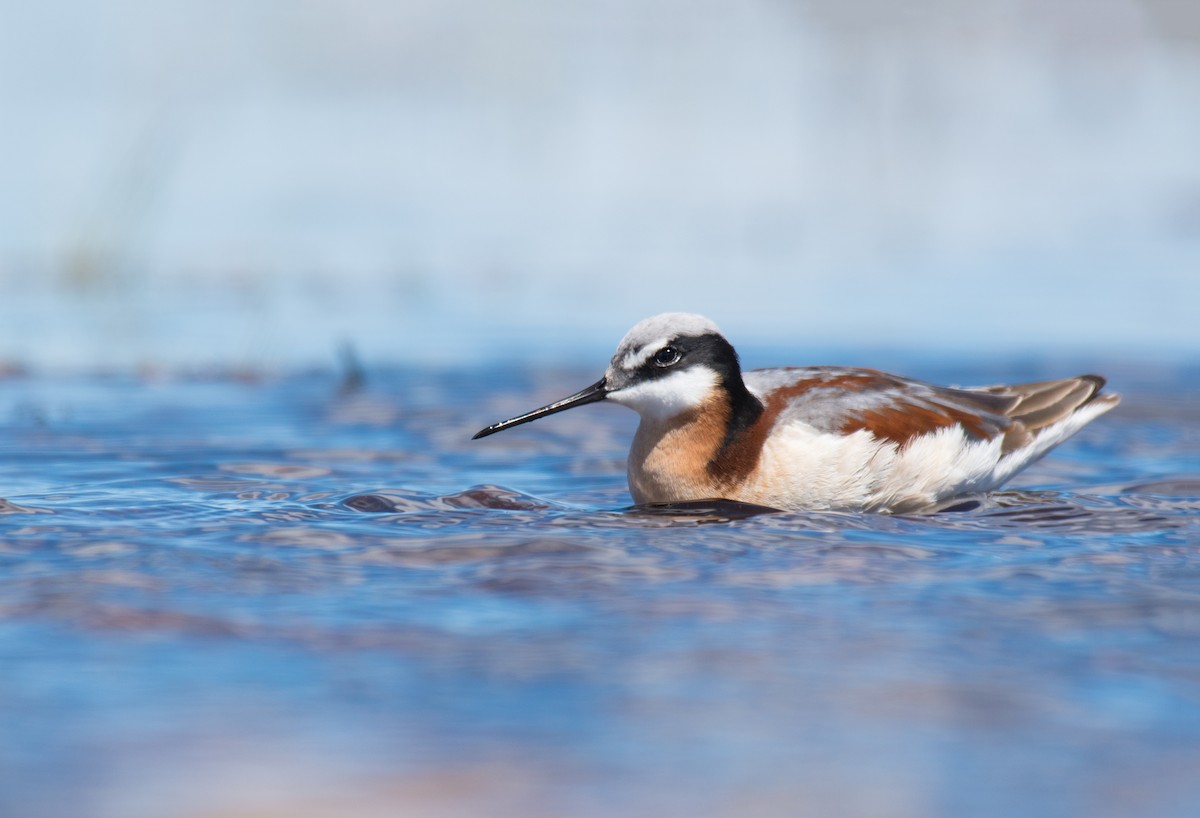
(228, 594)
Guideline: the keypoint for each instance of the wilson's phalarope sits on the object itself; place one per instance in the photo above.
(817, 437)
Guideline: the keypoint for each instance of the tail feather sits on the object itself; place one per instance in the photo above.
(1043, 405)
(1047, 413)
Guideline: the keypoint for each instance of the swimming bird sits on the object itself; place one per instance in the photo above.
(817, 437)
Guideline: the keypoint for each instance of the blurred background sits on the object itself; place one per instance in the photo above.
(258, 183)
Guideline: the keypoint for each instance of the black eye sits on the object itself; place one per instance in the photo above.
(667, 356)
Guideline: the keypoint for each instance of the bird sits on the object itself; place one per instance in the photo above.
(817, 438)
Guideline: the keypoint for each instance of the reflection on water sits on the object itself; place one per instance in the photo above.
(229, 597)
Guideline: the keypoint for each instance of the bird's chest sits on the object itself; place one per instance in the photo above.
(668, 461)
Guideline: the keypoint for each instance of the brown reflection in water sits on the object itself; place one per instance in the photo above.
(478, 497)
(7, 507)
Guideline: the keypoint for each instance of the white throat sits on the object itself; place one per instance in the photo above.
(669, 396)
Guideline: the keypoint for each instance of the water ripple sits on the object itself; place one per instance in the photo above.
(346, 571)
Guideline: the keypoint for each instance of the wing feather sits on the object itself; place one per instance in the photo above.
(900, 409)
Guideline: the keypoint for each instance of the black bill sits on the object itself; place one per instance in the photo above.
(591, 394)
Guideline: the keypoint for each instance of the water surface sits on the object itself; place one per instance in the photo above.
(230, 594)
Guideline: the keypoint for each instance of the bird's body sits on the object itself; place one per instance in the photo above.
(818, 437)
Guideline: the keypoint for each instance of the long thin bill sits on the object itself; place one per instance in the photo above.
(591, 394)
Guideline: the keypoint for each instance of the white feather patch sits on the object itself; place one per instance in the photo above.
(636, 357)
(664, 398)
(802, 467)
